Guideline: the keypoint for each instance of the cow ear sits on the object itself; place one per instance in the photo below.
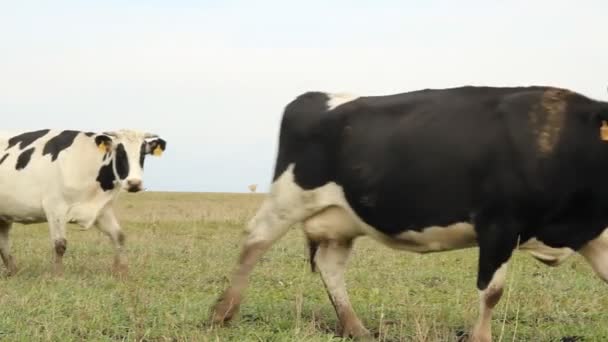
(156, 147)
(104, 143)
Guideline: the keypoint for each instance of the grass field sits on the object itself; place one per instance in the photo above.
(181, 248)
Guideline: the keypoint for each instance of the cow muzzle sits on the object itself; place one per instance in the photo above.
(134, 185)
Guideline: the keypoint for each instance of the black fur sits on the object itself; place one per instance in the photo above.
(142, 154)
(122, 162)
(3, 158)
(25, 139)
(106, 177)
(58, 143)
(24, 158)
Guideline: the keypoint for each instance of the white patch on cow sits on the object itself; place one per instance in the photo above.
(284, 206)
(434, 239)
(338, 99)
(549, 255)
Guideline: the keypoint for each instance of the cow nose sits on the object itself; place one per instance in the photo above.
(134, 185)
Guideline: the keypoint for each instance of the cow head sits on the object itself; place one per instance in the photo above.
(127, 151)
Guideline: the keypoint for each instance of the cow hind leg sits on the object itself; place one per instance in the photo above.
(596, 254)
(5, 248)
(496, 245)
(286, 205)
(269, 224)
(331, 259)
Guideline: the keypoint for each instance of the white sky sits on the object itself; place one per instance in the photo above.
(212, 77)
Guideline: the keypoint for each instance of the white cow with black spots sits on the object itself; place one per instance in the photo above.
(68, 176)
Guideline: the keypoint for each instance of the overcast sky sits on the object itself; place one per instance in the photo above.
(212, 77)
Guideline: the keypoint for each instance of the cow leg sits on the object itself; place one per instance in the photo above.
(596, 253)
(108, 224)
(269, 224)
(5, 248)
(58, 241)
(331, 259)
(496, 244)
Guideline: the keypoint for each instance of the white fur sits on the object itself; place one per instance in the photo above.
(338, 99)
(545, 253)
(435, 239)
(483, 328)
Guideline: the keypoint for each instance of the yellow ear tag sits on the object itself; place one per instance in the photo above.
(604, 131)
(158, 151)
(103, 147)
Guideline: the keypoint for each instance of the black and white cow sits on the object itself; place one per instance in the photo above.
(437, 170)
(68, 176)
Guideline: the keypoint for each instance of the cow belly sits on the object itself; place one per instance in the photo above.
(548, 255)
(25, 216)
(435, 239)
(15, 210)
(336, 220)
(335, 223)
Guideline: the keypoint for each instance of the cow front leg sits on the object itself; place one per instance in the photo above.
(108, 224)
(58, 242)
(331, 259)
(496, 244)
(5, 248)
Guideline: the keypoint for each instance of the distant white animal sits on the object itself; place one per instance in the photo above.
(67, 176)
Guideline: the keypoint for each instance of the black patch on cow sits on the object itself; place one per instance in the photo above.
(26, 139)
(3, 158)
(122, 162)
(24, 158)
(59, 143)
(105, 177)
(89, 134)
(142, 154)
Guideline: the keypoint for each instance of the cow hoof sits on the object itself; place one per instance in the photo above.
(120, 271)
(225, 308)
(58, 271)
(12, 271)
(357, 332)
(477, 338)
